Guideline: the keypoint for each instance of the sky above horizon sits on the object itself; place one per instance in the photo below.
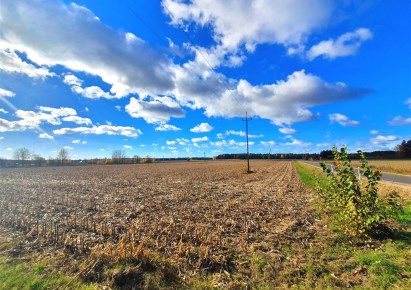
(175, 78)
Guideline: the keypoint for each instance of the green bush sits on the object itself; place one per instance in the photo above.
(358, 209)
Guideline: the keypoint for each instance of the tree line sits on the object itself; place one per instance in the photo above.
(24, 157)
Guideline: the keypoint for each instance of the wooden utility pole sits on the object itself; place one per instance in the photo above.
(246, 133)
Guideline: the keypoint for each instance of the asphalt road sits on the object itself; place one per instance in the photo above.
(390, 177)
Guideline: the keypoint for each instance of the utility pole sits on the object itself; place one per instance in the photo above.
(246, 133)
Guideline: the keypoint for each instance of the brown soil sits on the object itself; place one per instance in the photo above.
(198, 215)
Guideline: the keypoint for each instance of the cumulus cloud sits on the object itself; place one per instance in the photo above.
(155, 110)
(100, 130)
(127, 147)
(130, 65)
(233, 132)
(182, 141)
(31, 119)
(202, 139)
(400, 121)
(68, 148)
(374, 132)
(408, 103)
(119, 58)
(267, 21)
(45, 136)
(6, 93)
(383, 139)
(78, 120)
(202, 128)
(347, 44)
(10, 62)
(3, 111)
(171, 142)
(166, 127)
(268, 143)
(296, 142)
(342, 120)
(287, 131)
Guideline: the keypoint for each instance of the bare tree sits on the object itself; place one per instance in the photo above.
(63, 156)
(39, 159)
(118, 156)
(22, 154)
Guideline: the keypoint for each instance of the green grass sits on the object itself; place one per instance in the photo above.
(310, 175)
(383, 264)
(15, 274)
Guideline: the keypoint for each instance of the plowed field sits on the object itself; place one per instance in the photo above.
(201, 215)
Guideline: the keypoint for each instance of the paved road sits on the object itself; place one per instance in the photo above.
(390, 177)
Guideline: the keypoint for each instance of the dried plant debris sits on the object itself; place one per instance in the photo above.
(201, 216)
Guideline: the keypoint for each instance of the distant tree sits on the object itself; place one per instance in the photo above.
(22, 154)
(118, 156)
(404, 149)
(149, 159)
(137, 159)
(39, 159)
(63, 156)
(326, 154)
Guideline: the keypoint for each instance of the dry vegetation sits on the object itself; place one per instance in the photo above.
(390, 166)
(201, 217)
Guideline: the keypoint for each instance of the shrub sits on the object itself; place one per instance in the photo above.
(358, 209)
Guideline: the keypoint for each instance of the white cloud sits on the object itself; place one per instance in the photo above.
(10, 62)
(182, 141)
(72, 80)
(93, 92)
(3, 111)
(400, 121)
(171, 142)
(408, 103)
(237, 133)
(46, 136)
(220, 136)
(31, 119)
(127, 147)
(296, 142)
(156, 110)
(99, 130)
(68, 148)
(374, 132)
(76, 141)
(6, 93)
(342, 120)
(202, 139)
(383, 139)
(65, 35)
(202, 128)
(78, 120)
(287, 131)
(347, 44)
(130, 65)
(1, 137)
(118, 108)
(268, 143)
(284, 102)
(166, 127)
(267, 21)
(239, 144)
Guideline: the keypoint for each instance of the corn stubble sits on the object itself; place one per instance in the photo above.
(200, 216)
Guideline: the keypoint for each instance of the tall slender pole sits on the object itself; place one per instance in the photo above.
(248, 151)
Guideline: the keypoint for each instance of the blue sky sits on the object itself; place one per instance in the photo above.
(175, 78)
